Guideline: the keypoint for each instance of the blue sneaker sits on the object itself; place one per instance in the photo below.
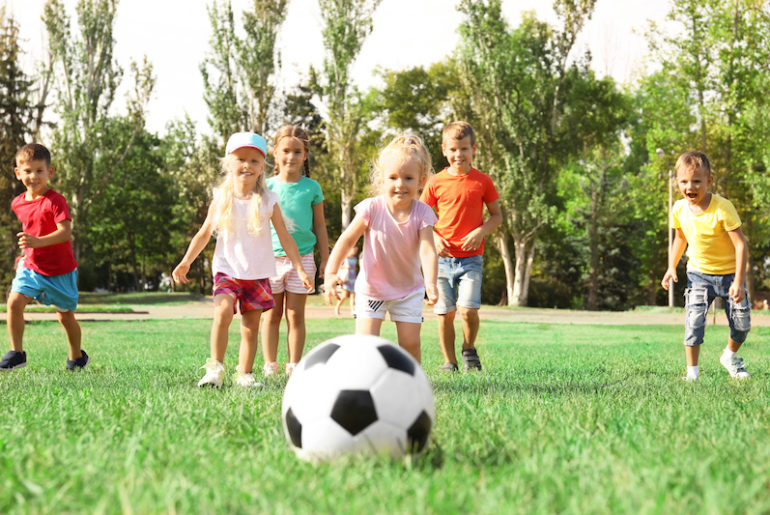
(81, 362)
(12, 360)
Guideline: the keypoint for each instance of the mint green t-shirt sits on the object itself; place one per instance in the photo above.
(296, 200)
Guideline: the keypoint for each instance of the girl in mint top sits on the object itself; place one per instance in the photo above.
(301, 201)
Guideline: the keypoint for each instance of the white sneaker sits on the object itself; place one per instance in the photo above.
(245, 380)
(690, 379)
(289, 368)
(270, 369)
(215, 373)
(734, 366)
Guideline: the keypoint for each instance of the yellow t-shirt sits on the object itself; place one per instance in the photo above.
(709, 247)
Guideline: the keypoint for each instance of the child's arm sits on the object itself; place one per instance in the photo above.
(347, 239)
(197, 244)
(322, 238)
(677, 249)
(290, 246)
(473, 239)
(429, 262)
(741, 251)
(62, 233)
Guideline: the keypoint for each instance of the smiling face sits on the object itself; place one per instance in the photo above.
(695, 184)
(401, 178)
(247, 165)
(459, 153)
(34, 174)
(290, 155)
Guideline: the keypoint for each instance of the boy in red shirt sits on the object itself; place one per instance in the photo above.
(48, 270)
(459, 194)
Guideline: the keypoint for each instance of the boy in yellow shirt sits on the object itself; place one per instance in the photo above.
(710, 227)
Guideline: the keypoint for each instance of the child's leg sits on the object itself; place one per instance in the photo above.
(691, 354)
(295, 322)
(72, 328)
(345, 294)
(368, 326)
(15, 319)
(223, 315)
(698, 296)
(470, 318)
(271, 326)
(409, 338)
(249, 333)
(446, 336)
(352, 303)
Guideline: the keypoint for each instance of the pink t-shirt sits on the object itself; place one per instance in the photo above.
(390, 259)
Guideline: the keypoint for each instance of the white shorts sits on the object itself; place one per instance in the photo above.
(287, 278)
(405, 309)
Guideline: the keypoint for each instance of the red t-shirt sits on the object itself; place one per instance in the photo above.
(459, 202)
(39, 218)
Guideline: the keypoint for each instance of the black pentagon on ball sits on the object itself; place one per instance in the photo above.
(354, 410)
(294, 427)
(397, 358)
(417, 434)
(321, 355)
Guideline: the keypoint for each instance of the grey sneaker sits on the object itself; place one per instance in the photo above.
(471, 360)
(81, 363)
(12, 360)
(734, 366)
(448, 367)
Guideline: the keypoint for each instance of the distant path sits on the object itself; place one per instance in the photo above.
(203, 309)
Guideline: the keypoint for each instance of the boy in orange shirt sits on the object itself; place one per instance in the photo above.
(459, 194)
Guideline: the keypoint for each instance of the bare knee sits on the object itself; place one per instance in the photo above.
(469, 314)
(17, 302)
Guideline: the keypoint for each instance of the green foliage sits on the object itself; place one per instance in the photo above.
(565, 418)
(15, 120)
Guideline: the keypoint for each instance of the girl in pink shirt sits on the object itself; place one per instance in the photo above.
(398, 231)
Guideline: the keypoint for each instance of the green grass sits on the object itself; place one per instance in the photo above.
(87, 297)
(565, 418)
(85, 309)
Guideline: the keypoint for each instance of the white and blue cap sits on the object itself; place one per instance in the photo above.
(246, 139)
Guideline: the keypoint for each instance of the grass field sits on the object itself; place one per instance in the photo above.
(565, 418)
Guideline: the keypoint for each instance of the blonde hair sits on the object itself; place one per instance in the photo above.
(458, 130)
(224, 195)
(693, 160)
(406, 144)
(294, 131)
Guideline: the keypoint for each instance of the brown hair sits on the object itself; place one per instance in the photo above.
(458, 130)
(693, 160)
(294, 131)
(33, 152)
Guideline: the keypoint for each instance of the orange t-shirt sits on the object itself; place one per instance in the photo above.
(459, 202)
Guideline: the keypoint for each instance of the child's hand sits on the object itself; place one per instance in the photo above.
(27, 241)
(670, 274)
(736, 293)
(441, 245)
(330, 288)
(307, 283)
(180, 273)
(432, 292)
(472, 240)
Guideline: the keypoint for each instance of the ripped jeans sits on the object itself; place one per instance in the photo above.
(701, 291)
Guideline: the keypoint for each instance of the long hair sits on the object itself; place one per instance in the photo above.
(224, 195)
(294, 131)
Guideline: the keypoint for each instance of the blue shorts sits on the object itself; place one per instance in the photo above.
(52, 290)
(459, 283)
(701, 291)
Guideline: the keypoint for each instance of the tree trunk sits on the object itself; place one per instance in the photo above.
(346, 201)
(592, 299)
(525, 254)
(505, 254)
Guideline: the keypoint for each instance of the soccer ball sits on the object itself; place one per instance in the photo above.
(357, 394)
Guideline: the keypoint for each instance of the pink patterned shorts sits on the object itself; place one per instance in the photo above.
(251, 294)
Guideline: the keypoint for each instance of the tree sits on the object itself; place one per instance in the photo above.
(522, 87)
(346, 24)
(16, 111)
(239, 88)
(87, 77)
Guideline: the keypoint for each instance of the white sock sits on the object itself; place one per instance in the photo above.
(730, 354)
(692, 371)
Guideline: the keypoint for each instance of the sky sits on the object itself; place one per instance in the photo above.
(174, 35)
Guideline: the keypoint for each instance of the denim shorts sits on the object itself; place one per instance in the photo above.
(701, 291)
(459, 283)
(53, 290)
